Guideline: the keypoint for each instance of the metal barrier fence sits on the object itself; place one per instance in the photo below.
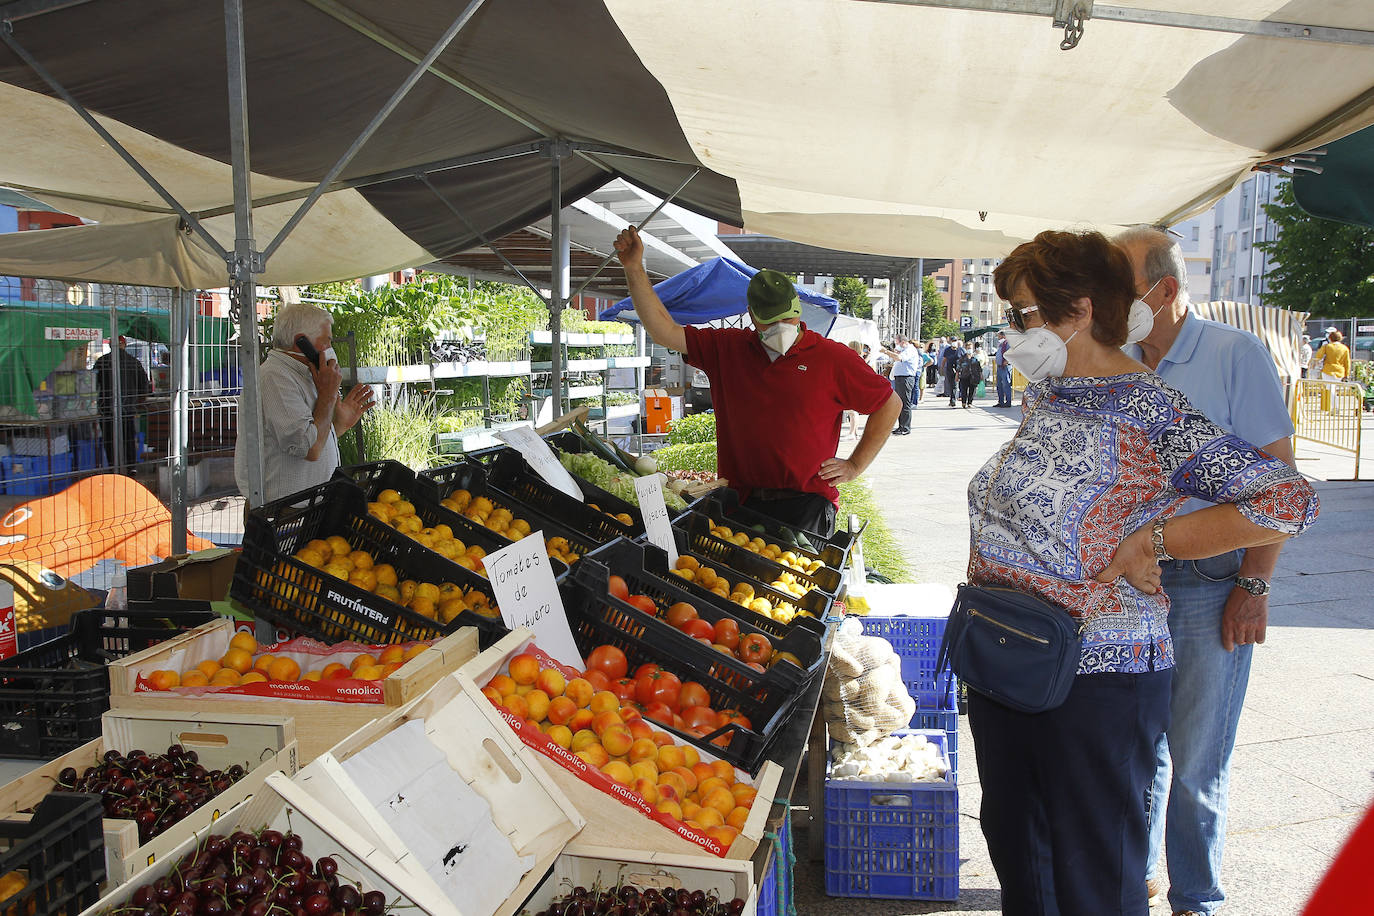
(1329, 413)
(88, 451)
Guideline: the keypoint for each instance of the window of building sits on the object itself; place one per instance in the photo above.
(1209, 267)
(1240, 287)
(942, 284)
(1245, 240)
(1247, 200)
(1197, 232)
(1226, 288)
(1229, 256)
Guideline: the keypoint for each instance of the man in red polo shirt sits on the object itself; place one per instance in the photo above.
(779, 392)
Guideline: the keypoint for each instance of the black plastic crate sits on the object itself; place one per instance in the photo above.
(572, 443)
(53, 695)
(724, 507)
(475, 479)
(756, 566)
(60, 852)
(283, 590)
(629, 560)
(392, 475)
(746, 748)
(510, 473)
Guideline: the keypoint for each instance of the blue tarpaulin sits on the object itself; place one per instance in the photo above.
(716, 289)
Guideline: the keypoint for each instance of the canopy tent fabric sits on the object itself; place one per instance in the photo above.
(1279, 329)
(1344, 190)
(1138, 123)
(29, 357)
(717, 289)
(847, 328)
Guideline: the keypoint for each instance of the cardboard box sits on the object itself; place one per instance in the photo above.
(260, 744)
(460, 730)
(204, 576)
(279, 805)
(323, 723)
(615, 815)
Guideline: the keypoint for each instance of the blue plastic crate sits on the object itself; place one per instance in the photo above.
(89, 455)
(36, 475)
(893, 840)
(917, 643)
(775, 890)
(943, 720)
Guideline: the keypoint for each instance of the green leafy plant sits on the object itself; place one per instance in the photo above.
(688, 456)
(882, 551)
(403, 433)
(1362, 372)
(697, 427)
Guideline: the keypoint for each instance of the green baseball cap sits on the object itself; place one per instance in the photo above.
(772, 297)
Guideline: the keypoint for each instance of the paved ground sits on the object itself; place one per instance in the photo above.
(1302, 773)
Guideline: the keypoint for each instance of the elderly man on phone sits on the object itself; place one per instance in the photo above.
(302, 412)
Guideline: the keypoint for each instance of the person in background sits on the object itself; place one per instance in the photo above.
(906, 373)
(852, 416)
(949, 362)
(1334, 357)
(970, 374)
(302, 413)
(1219, 602)
(134, 389)
(1003, 369)
(1305, 354)
(1078, 511)
(930, 360)
(779, 391)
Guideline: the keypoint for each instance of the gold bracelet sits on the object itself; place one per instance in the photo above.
(1157, 539)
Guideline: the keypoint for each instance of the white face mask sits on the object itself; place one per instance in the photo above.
(1037, 352)
(779, 337)
(1141, 320)
(327, 356)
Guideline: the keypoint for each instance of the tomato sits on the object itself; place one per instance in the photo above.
(625, 689)
(618, 588)
(693, 694)
(645, 604)
(727, 633)
(644, 669)
(680, 613)
(755, 647)
(728, 716)
(610, 660)
(659, 687)
(597, 678)
(698, 629)
(659, 712)
(699, 717)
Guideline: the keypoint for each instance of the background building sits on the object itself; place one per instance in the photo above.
(1239, 269)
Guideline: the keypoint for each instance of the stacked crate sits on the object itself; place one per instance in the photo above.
(917, 642)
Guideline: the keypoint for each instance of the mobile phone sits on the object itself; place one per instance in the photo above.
(308, 349)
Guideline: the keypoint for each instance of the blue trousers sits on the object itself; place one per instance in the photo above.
(1193, 760)
(1064, 795)
(1004, 384)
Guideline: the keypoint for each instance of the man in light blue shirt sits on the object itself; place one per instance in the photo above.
(1219, 607)
(906, 368)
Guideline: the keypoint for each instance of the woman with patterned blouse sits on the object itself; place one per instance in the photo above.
(1077, 512)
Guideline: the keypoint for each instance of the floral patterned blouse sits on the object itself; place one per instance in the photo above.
(1097, 459)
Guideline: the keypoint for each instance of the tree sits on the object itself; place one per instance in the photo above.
(933, 320)
(1323, 267)
(852, 294)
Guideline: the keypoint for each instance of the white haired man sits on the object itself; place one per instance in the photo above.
(1218, 607)
(302, 413)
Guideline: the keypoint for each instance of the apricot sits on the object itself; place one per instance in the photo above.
(367, 673)
(415, 650)
(225, 677)
(552, 682)
(703, 770)
(312, 675)
(583, 739)
(708, 817)
(603, 722)
(737, 817)
(253, 677)
(361, 660)
(333, 671)
(262, 661)
(618, 741)
(164, 679)
(669, 756)
(194, 678)
(517, 706)
(690, 756)
(669, 807)
(283, 669)
(689, 779)
(580, 691)
(560, 735)
(645, 769)
(743, 792)
(594, 755)
(674, 780)
(619, 772)
(524, 668)
(208, 668)
(724, 770)
(581, 719)
(604, 701)
(663, 739)
(639, 728)
(490, 692)
(503, 684)
(244, 641)
(642, 749)
(538, 702)
(690, 808)
(560, 711)
(237, 660)
(723, 834)
(647, 790)
(713, 782)
(720, 799)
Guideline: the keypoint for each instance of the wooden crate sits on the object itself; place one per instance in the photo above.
(280, 805)
(262, 744)
(611, 822)
(582, 865)
(323, 724)
(467, 732)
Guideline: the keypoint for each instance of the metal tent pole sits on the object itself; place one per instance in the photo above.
(244, 262)
(920, 295)
(557, 275)
(116, 390)
(180, 320)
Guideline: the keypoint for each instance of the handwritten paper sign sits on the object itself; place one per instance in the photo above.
(650, 492)
(545, 463)
(528, 597)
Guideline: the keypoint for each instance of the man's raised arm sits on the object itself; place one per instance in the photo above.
(659, 325)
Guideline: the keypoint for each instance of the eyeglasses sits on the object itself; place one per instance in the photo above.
(1017, 317)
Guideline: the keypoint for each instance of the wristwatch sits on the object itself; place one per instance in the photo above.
(1252, 585)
